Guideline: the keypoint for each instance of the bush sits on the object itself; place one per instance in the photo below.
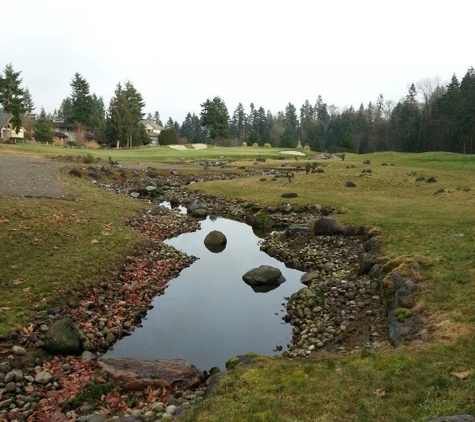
(244, 144)
(168, 137)
(306, 147)
(255, 144)
(267, 145)
(92, 145)
(88, 159)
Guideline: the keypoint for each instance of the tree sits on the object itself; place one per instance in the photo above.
(156, 119)
(12, 96)
(119, 118)
(168, 137)
(43, 128)
(81, 102)
(214, 116)
(136, 104)
(29, 105)
(238, 123)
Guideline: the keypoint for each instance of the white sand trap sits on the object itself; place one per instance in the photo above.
(199, 146)
(184, 148)
(297, 153)
(178, 147)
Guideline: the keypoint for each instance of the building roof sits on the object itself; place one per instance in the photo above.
(4, 118)
(153, 124)
(63, 125)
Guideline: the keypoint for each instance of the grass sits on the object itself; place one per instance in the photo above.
(49, 247)
(153, 154)
(417, 217)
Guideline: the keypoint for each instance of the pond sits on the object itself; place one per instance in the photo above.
(208, 314)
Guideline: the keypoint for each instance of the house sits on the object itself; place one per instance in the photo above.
(6, 128)
(71, 132)
(153, 130)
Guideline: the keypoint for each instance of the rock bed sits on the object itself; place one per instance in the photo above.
(338, 311)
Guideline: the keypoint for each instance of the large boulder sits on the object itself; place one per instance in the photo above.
(215, 241)
(64, 338)
(326, 226)
(133, 374)
(198, 208)
(264, 278)
(262, 220)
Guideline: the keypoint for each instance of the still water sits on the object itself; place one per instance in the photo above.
(208, 314)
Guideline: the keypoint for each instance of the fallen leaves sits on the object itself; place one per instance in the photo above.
(461, 375)
(379, 393)
(18, 281)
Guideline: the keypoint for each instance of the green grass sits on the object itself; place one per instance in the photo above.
(49, 249)
(417, 218)
(154, 154)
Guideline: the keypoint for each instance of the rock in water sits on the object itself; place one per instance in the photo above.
(264, 278)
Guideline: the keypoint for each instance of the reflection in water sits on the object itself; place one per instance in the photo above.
(208, 313)
(215, 248)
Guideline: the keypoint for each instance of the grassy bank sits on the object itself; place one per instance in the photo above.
(53, 248)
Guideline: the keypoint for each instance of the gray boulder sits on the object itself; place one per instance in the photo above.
(215, 237)
(262, 220)
(64, 338)
(264, 276)
(198, 208)
(326, 226)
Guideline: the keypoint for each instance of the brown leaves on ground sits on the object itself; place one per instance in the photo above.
(461, 375)
(380, 393)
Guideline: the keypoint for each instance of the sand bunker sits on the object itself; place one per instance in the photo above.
(184, 148)
(297, 153)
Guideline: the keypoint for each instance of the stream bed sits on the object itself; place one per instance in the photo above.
(208, 314)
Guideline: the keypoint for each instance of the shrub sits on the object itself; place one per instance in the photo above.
(255, 144)
(244, 144)
(306, 147)
(168, 137)
(92, 145)
(267, 145)
(88, 159)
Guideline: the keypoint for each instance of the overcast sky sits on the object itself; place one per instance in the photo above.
(178, 53)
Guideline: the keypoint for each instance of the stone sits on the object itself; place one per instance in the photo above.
(262, 220)
(86, 355)
(198, 208)
(350, 184)
(18, 350)
(64, 338)
(75, 172)
(10, 387)
(326, 226)
(133, 374)
(289, 195)
(215, 237)
(43, 378)
(264, 275)
(307, 278)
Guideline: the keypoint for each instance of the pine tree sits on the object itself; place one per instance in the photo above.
(43, 128)
(81, 102)
(12, 95)
(119, 118)
(215, 117)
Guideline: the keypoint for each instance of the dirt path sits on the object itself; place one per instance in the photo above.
(27, 175)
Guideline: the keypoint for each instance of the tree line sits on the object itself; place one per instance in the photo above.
(432, 116)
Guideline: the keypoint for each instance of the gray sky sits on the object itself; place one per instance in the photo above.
(178, 53)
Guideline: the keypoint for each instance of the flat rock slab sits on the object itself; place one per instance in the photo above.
(133, 374)
(26, 175)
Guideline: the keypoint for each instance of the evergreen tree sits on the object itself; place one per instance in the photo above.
(238, 124)
(43, 128)
(156, 119)
(467, 114)
(12, 96)
(214, 116)
(135, 104)
(120, 122)
(29, 105)
(81, 102)
(168, 137)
